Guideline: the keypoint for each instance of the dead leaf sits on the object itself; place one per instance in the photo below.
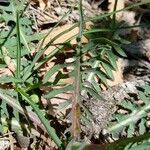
(42, 3)
(10, 64)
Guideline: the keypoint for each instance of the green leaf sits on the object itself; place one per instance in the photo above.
(147, 88)
(102, 77)
(143, 97)
(129, 105)
(120, 117)
(10, 101)
(4, 107)
(87, 47)
(64, 105)
(119, 50)
(55, 69)
(45, 122)
(10, 79)
(112, 58)
(41, 50)
(55, 92)
(16, 115)
(108, 70)
(18, 46)
(141, 147)
(4, 122)
(95, 85)
(131, 129)
(142, 126)
(92, 92)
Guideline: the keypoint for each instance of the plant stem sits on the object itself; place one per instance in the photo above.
(18, 46)
(76, 97)
(114, 12)
(114, 15)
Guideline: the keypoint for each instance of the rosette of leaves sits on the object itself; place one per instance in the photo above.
(88, 64)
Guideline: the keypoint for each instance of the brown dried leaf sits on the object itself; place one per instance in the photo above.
(11, 66)
(42, 3)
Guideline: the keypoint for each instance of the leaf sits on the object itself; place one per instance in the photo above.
(147, 88)
(145, 99)
(55, 69)
(96, 85)
(16, 115)
(136, 113)
(112, 59)
(55, 92)
(64, 105)
(87, 47)
(4, 122)
(18, 32)
(9, 35)
(97, 30)
(116, 134)
(10, 79)
(142, 126)
(16, 125)
(44, 121)
(4, 107)
(120, 117)
(131, 129)
(143, 146)
(129, 105)
(88, 115)
(92, 92)
(102, 77)
(92, 86)
(41, 50)
(119, 50)
(108, 70)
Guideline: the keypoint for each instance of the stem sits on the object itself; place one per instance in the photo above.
(18, 46)
(114, 15)
(76, 100)
(109, 14)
